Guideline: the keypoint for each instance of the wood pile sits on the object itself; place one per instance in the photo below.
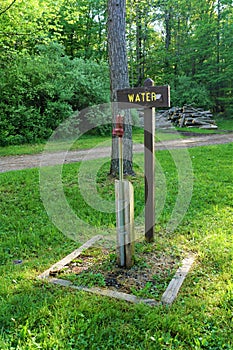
(190, 117)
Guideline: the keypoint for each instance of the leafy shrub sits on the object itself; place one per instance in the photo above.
(40, 91)
(190, 92)
(98, 119)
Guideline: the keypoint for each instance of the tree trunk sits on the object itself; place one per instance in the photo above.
(168, 37)
(119, 79)
(139, 47)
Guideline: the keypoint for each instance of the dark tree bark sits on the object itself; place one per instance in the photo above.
(119, 79)
(140, 56)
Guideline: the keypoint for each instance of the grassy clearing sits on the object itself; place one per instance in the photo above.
(199, 131)
(86, 141)
(83, 142)
(37, 315)
(223, 125)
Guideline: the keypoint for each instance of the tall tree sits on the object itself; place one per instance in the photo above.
(24, 24)
(119, 79)
(84, 28)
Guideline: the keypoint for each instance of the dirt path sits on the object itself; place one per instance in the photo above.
(36, 160)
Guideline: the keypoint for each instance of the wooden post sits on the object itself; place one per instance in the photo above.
(149, 127)
(125, 227)
(129, 224)
(148, 97)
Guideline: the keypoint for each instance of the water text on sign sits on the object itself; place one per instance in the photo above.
(148, 96)
(144, 97)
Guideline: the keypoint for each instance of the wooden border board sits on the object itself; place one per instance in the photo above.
(168, 296)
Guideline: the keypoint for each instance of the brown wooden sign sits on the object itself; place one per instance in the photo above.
(147, 96)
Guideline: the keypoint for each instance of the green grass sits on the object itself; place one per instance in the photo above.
(37, 315)
(87, 141)
(84, 142)
(222, 123)
(198, 130)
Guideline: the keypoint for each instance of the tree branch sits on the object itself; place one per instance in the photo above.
(7, 8)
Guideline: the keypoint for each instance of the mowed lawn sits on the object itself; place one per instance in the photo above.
(38, 315)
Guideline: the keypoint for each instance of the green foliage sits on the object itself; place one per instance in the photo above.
(189, 92)
(83, 28)
(99, 120)
(40, 91)
(172, 42)
(171, 39)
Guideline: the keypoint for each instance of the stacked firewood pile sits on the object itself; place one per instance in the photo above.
(190, 117)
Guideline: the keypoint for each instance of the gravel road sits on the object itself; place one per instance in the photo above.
(10, 163)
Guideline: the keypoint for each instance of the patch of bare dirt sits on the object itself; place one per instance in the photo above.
(148, 277)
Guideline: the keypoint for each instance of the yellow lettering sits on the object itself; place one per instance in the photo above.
(153, 96)
(143, 96)
(148, 96)
(131, 97)
(137, 98)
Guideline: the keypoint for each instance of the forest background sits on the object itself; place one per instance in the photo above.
(54, 58)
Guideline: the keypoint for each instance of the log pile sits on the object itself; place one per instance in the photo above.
(190, 117)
